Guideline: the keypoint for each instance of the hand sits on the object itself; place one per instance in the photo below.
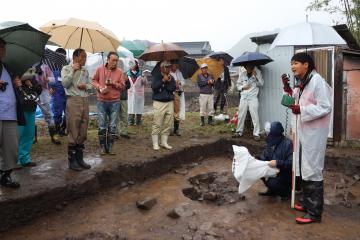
(76, 66)
(17, 82)
(246, 87)
(82, 86)
(28, 83)
(2, 82)
(286, 83)
(254, 73)
(211, 81)
(272, 163)
(46, 79)
(166, 78)
(51, 91)
(103, 90)
(295, 109)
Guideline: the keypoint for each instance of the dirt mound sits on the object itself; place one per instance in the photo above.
(212, 187)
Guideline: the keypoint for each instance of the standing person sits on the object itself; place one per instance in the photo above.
(11, 115)
(163, 86)
(179, 98)
(123, 111)
(248, 84)
(29, 91)
(108, 81)
(221, 87)
(58, 98)
(206, 100)
(278, 152)
(136, 94)
(76, 82)
(44, 76)
(313, 106)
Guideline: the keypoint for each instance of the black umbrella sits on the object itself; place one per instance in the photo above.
(254, 58)
(24, 45)
(187, 66)
(54, 60)
(217, 55)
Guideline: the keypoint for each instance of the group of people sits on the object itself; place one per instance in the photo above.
(120, 102)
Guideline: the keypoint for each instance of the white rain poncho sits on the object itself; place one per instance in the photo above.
(313, 126)
(247, 170)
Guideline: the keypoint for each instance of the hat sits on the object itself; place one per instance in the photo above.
(204, 65)
(165, 64)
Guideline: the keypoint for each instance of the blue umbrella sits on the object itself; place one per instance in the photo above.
(253, 58)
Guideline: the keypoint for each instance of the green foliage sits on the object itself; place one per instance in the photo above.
(350, 9)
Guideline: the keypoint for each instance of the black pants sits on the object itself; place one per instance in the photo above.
(279, 185)
(219, 96)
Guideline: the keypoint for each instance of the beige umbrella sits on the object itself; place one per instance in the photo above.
(75, 33)
(163, 51)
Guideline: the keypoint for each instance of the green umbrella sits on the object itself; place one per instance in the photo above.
(25, 46)
(136, 47)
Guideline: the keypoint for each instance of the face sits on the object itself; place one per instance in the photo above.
(81, 59)
(2, 50)
(165, 69)
(204, 70)
(299, 69)
(112, 61)
(173, 67)
(221, 61)
(249, 68)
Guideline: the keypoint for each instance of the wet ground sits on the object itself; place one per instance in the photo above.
(112, 214)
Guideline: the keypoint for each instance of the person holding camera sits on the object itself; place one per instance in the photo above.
(11, 115)
(179, 98)
(248, 84)
(163, 86)
(76, 82)
(108, 80)
(29, 91)
(206, 100)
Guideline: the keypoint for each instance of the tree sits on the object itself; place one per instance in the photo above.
(350, 9)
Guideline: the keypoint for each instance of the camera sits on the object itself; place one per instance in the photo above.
(108, 81)
(3, 86)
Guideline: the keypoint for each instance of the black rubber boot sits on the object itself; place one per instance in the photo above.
(73, 164)
(102, 141)
(176, 128)
(62, 129)
(110, 143)
(202, 121)
(138, 119)
(7, 181)
(210, 120)
(53, 135)
(80, 156)
(131, 119)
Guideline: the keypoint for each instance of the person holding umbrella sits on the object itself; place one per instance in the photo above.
(313, 105)
(11, 115)
(76, 81)
(221, 87)
(205, 83)
(248, 84)
(163, 86)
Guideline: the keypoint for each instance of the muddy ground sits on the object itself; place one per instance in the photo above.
(112, 214)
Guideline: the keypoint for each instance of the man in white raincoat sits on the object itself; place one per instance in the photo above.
(179, 98)
(313, 106)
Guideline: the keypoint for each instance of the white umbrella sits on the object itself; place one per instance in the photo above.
(75, 33)
(307, 34)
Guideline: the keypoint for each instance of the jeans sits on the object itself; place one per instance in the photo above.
(108, 113)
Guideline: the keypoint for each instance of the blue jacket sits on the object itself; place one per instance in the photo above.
(163, 91)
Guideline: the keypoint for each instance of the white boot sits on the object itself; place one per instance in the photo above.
(163, 143)
(155, 141)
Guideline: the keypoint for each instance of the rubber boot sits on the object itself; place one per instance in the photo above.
(202, 121)
(62, 129)
(155, 142)
(53, 135)
(102, 141)
(73, 164)
(138, 119)
(176, 128)
(164, 142)
(110, 143)
(210, 120)
(131, 119)
(80, 156)
(6, 180)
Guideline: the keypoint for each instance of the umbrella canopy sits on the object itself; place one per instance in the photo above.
(75, 33)
(124, 52)
(162, 52)
(187, 67)
(307, 34)
(254, 58)
(54, 60)
(25, 45)
(214, 68)
(136, 47)
(217, 55)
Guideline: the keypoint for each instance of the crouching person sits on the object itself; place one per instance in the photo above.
(163, 86)
(75, 79)
(278, 152)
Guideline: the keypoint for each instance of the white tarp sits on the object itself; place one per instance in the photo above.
(247, 170)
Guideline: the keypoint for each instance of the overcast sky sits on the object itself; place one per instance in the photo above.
(222, 22)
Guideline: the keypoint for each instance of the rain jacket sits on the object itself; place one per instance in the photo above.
(313, 125)
(163, 91)
(136, 96)
(255, 83)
